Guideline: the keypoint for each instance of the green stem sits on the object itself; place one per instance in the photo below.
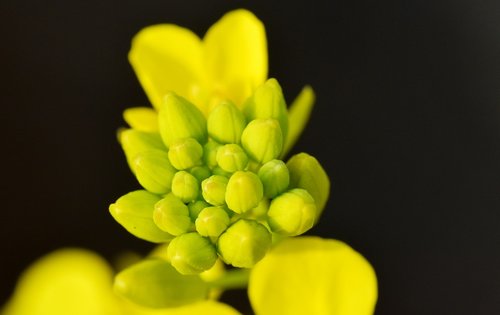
(232, 279)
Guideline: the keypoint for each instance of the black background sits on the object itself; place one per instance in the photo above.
(407, 124)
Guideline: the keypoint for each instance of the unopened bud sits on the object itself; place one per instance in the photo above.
(134, 211)
(135, 141)
(200, 172)
(172, 215)
(275, 178)
(179, 119)
(226, 123)
(262, 139)
(154, 171)
(210, 153)
(292, 213)
(214, 189)
(232, 158)
(191, 253)
(268, 102)
(307, 173)
(185, 186)
(244, 243)
(212, 221)
(185, 153)
(244, 191)
(195, 208)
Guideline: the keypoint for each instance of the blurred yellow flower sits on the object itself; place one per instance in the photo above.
(229, 63)
(311, 275)
(79, 282)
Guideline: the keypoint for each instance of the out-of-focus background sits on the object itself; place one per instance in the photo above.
(407, 124)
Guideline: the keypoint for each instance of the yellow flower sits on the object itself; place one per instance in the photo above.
(229, 63)
(310, 275)
(79, 282)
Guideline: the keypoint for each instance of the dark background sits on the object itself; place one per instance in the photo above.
(407, 124)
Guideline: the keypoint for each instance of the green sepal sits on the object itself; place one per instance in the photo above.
(226, 123)
(153, 170)
(268, 102)
(155, 283)
(134, 211)
(172, 215)
(179, 119)
(275, 178)
(244, 243)
(262, 139)
(307, 173)
(134, 142)
(292, 213)
(298, 116)
(191, 253)
(244, 191)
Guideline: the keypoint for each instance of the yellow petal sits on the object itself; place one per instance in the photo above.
(141, 118)
(201, 308)
(310, 275)
(167, 58)
(68, 281)
(236, 55)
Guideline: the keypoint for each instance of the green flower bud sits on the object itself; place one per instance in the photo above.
(244, 243)
(292, 213)
(135, 141)
(195, 208)
(210, 153)
(258, 213)
(268, 102)
(134, 212)
(185, 153)
(212, 221)
(214, 189)
(179, 119)
(221, 172)
(226, 123)
(154, 171)
(244, 191)
(185, 186)
(232, 158)
(200, 172)
(307, 173)
(262, 139)
(191, 253)
(155, 283)
(172, 215)
(275, 178)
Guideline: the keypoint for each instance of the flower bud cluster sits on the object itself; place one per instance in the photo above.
(216, 186)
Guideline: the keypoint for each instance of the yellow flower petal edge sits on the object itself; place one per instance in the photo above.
(228, 64)
(166, 58)
(311, 275)
(236, 56)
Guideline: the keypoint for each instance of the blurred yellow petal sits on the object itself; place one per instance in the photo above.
(167, 58)
(311, 275)
(67, 281)
(200, 308)
(236, 56)
(141, 118)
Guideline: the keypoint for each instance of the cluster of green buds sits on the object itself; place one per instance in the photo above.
(215, 186)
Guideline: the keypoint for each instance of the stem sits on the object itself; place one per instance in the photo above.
(232, 279)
